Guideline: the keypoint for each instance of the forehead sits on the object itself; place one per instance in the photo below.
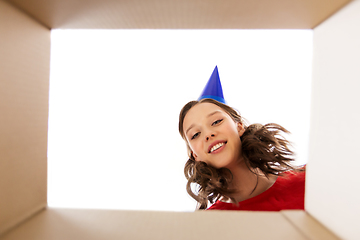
(200, 111)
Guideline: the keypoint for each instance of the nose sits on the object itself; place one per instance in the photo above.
(207, 137)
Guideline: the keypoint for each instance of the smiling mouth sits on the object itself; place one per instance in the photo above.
(217, 146)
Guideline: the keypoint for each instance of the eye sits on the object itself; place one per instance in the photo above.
(195, 135)
(216, 122)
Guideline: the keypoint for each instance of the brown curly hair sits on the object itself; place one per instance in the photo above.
(263, 148)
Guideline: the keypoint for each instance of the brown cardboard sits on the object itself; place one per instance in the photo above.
(332, 185)
(309, 226)
(181, 14)
(24, 87)
(76, 224)
(24, 77)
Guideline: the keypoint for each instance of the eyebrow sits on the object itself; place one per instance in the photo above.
(192, 125)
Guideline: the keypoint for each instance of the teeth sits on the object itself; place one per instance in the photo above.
(217, 146)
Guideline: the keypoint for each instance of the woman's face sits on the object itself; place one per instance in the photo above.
(212, 135)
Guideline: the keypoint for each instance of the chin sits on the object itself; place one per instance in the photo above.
(221, 165)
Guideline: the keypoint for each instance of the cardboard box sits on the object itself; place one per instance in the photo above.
(332, 188)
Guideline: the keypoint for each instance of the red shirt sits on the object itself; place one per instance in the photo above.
(287, 192)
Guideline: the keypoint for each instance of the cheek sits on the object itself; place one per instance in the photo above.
(195, 147)
(190, 147)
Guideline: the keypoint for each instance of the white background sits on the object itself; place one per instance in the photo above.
(115, 96)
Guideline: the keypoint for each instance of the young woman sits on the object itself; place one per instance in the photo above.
(234, 166)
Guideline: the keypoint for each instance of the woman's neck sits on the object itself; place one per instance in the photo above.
(249, 183)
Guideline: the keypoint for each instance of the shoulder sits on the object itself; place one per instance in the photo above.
(291, 177)
(286, 193)
(290, 185)
(298, 173)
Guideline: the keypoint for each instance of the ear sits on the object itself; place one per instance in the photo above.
(195, 156)
(240, 128)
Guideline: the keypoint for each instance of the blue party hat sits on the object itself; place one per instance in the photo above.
(213, 88)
